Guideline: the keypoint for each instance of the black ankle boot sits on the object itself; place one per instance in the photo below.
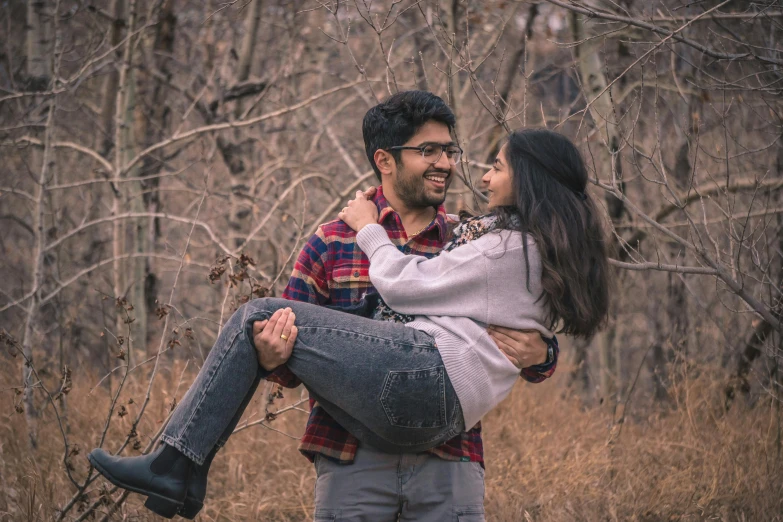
(197, 487)
(161, 475)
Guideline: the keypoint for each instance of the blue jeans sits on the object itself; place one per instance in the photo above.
(383, 382)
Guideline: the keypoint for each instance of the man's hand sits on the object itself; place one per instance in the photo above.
(523, 348)
(274, 338)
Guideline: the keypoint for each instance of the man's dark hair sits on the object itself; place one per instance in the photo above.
(394, 121)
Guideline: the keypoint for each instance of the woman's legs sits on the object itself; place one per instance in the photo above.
(382, 381)
(217, 398)
(174, 476)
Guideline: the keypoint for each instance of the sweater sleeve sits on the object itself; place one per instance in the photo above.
(455, 283)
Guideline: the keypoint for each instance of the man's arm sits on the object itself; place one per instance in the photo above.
(309, 284)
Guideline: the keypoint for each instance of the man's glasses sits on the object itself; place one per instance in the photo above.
(431, 152)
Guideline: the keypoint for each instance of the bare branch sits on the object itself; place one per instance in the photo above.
(66, 145)
(595, 13)
(194, 133)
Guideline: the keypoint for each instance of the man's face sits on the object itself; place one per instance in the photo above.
(417, 182)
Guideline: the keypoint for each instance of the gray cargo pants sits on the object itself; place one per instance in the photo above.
(410, 487)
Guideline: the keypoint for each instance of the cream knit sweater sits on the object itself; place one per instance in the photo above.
(455, 296)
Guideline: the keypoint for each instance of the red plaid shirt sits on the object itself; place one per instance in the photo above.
(332, 270)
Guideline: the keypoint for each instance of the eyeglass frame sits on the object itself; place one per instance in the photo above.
(421, 148)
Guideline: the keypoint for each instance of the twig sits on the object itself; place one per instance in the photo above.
(594, 13)
(173, 292)
(194, 133)
(64, 284)
(609, 85)
(91, 478)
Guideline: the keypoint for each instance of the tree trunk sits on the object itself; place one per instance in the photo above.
(249, 40)
(579, 378)
(139, 231)
(671, 336)
(452, 24)
(121, 153)
(594, 83)
(504, 93)
(104, 137)
(754, 346)
(39, 69)
(151, 126)
(688, 105)
(234, 155)
(658, 363)
(31, 412)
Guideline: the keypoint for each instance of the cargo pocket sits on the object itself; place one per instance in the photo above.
(326, 515)
(469, 514)
(415, 398)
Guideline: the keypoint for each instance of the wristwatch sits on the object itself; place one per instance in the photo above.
(550, 355)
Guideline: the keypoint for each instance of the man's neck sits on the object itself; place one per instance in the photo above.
(413, 219)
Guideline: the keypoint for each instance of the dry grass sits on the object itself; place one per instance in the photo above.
(548, 458)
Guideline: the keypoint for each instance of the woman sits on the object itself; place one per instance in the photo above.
(538, 261)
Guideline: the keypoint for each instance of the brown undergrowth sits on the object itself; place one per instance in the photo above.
(549, 458)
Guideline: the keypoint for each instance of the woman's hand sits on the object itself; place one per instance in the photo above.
(360, 212)
(274, 338)
(523, 348)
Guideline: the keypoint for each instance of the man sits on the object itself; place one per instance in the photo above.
(408, 140)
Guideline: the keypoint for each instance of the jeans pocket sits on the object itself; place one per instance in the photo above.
(415, 398)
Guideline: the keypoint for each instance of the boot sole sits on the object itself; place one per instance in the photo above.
(158, 504)
(190, 508)
(164, 508)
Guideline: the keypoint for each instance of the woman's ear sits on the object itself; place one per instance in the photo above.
(384, 161)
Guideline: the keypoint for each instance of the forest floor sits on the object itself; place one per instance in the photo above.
(549, 457)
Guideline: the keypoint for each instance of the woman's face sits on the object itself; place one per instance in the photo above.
(497, 181)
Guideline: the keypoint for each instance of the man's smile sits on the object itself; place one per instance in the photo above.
(437, 178)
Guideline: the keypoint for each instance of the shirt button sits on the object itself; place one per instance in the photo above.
(356, 274)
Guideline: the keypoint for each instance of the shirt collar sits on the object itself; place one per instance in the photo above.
(385, 210)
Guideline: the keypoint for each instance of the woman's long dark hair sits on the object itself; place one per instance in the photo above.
(549, 179)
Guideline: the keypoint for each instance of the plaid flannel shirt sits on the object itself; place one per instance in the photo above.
(332, 270)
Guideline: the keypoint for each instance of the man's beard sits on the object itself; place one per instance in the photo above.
(412, 191)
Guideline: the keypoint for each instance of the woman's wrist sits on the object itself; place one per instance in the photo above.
(360, 226)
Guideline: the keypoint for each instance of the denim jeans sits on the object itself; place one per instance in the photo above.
(383, 382)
